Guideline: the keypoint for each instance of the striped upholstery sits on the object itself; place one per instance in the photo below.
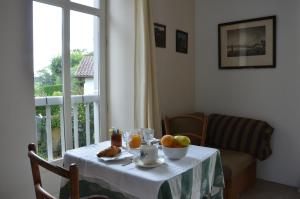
(239, 134)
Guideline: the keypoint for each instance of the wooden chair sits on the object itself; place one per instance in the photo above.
(193, 126)
(72, 175)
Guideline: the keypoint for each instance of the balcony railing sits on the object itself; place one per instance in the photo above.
(49, 101)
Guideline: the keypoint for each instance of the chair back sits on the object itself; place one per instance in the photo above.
(37, 161)
(193, 126)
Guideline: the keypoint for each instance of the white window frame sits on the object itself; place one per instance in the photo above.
(101, 114)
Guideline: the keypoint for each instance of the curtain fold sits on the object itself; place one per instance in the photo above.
(146, 103)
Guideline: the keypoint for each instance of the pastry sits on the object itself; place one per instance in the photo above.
(109, 152)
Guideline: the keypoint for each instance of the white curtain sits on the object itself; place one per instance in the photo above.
(146, 104)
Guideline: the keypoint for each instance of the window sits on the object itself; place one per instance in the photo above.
(69, 51)
(92, 3)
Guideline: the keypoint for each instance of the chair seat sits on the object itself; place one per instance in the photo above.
(234, 163)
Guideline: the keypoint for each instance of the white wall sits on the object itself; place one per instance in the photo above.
(16, 101)
(89, 86)
(272, 95)
(120, 61)
(175, 71)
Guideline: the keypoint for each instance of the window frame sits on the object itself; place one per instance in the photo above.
(100, 45)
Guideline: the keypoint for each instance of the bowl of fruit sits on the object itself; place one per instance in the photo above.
(175, 147)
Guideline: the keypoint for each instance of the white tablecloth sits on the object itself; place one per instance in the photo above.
(146, 183)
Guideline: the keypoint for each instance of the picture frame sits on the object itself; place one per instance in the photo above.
(247, 43)
(160, 35)
(181, 41)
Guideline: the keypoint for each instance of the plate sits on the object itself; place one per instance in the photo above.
(139, 162)
(121, 156)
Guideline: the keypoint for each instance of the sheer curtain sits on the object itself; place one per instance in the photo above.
(146, 103)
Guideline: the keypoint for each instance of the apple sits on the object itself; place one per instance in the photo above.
(183, 140)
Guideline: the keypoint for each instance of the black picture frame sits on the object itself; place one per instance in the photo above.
(181, 41)
(160, 35)
(247, 43)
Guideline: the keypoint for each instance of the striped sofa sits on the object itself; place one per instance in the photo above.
(241, 141)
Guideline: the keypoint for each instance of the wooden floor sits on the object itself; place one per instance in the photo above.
(269, 190)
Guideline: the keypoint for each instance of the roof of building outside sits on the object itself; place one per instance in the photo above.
(85, 68)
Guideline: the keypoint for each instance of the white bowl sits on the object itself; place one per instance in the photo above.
(175, 153)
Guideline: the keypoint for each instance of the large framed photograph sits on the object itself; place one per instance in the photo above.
(248, 43)
(181, 41)
(160, 35)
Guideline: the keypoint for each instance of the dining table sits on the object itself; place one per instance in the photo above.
(197, 175)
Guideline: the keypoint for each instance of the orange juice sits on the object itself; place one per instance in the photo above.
(135, 141)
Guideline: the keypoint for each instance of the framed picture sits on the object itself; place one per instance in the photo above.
(248, 43)
(181, 41)
(160, 35)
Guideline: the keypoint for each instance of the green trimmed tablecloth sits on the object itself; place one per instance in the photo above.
(195, 176)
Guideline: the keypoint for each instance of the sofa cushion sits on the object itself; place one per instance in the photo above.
(234, 162)
(239, 134)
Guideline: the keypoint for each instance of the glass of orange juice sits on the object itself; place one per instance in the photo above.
(133, 138)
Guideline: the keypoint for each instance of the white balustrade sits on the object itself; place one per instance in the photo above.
(75, 100)
(75, 125)
(87, 124)
(49, 133)
(62, 129)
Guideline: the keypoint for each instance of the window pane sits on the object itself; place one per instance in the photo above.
(91, 3)
(84, 78)
(82, 45)
(47, 41)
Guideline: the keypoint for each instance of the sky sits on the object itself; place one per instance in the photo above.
(47, 33)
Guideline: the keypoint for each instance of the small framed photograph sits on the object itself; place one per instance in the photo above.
(160, 35)
(248, 43)
(181, 41)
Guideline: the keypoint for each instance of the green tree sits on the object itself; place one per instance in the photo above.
(48, 81)
(56, 63)
(44, 77)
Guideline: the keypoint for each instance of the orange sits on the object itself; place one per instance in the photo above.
(168, 141)
(176, 144)
(135, 141)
